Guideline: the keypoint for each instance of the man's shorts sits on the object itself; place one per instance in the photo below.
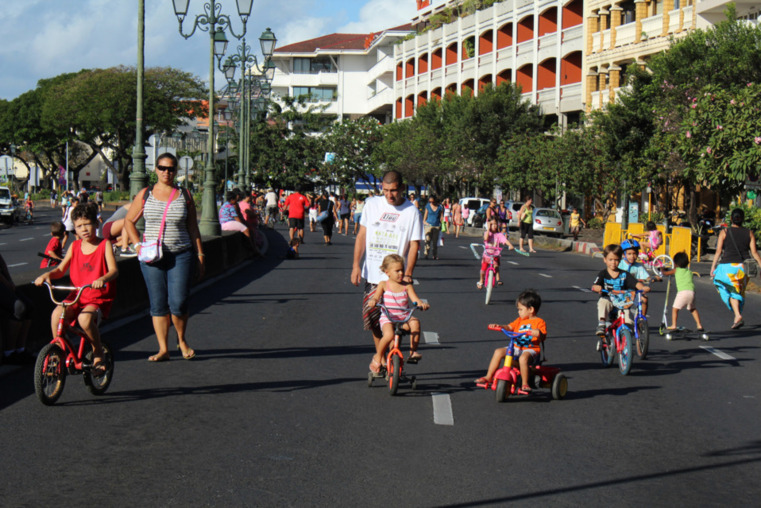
(296, 223)
(370, 315)
(272, 210)
(685, 298)
(345, 216)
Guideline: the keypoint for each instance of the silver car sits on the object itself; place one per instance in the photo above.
(513, 207)
(548, 221)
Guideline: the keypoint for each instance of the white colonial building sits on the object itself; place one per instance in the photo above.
(351, 74)
(536, 44)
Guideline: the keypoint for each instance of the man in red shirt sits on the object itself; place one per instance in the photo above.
(296, 205)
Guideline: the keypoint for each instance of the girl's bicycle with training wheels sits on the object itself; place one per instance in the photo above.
(506, 380)
(618, 336)
(394, 372)
(59, 357)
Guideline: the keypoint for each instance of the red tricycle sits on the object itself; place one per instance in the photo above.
(506, 380)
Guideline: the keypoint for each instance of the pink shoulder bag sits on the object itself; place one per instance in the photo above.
(150, 251)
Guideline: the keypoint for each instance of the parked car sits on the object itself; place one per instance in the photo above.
(473, 204)
(513, 207)
(548, 221)
(7, 207)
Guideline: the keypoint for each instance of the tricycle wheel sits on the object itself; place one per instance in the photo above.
(503, 390)
(559, 386)
(369, 379)
(414, 382)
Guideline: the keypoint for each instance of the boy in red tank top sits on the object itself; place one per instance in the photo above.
(92, 261)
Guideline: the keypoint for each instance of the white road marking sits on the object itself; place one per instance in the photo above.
(26, 239)
(17, 264)
(3, 243)
(442, 409)
(464, 247)
(582, 289)
(719, 353)
(513, 263)
(546, 275)
(415, 282)
(430, 337)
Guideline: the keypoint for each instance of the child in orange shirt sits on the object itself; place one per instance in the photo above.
(528, 304)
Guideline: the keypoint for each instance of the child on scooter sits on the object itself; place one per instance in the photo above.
(92, 262)
(685, 290)
(528, 304)
(492, 241)
(396, 295)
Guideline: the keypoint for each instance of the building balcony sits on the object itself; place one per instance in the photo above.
(485, 60)
(653, 26)
(570, 97)
(436, 74)
(468, 65)
(625, 34)
(548, 47)
(409, 83)
(596, 44)
(505, 54)
(377, 100)
(546, 100)
(572, 34)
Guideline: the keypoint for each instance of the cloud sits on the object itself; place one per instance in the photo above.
(378, 15)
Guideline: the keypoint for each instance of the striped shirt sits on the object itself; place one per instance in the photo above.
(175, 237)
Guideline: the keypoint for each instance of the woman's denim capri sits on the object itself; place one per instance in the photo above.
(168, 283)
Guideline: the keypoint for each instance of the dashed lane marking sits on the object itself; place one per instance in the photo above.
(585, 290)
(442, 409)
(26, 239)
(546, 275)
(17, 264)
(431, 337)
(719, 353)
(513, 263)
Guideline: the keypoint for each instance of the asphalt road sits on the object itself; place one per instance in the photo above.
(275, 410)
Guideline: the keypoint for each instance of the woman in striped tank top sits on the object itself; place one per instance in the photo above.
(396, 296)
(169, 279)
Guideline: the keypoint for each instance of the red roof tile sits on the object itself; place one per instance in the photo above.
(335, 42)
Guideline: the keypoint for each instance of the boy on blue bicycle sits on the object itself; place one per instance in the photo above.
(527, 349)
(612, 279)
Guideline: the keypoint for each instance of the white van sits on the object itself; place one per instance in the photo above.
(473, 204)
(7, 207)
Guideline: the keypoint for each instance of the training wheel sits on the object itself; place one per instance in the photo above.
(669, 336)
(704, 336)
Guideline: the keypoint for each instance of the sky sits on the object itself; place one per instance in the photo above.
(45, 38)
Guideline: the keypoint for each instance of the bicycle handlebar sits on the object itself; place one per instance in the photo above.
(79, 291)
(408, 312)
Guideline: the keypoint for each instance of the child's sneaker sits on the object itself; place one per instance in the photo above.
(600, 331)
(128, 253)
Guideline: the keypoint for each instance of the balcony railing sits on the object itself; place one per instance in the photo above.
(653, 26)
(625, 34)
(573, 33)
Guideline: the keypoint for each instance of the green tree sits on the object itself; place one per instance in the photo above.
(353, 142)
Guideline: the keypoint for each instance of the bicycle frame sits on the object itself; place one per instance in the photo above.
(74, 361)
(394, 357)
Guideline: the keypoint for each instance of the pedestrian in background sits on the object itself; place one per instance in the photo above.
(328, 207)
(432, 216)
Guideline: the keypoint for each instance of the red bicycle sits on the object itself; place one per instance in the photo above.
(59, 357)
(394, 371)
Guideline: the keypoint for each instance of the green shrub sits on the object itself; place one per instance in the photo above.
(43, 194)
(595, 223)
(657, 217)
(114, 196)
(752, 218)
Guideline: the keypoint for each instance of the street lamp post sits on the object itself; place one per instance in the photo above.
(214, 22)
(252, 85)
(138, 178)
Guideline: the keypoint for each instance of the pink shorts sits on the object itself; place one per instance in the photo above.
(234, 225)
(685, 299)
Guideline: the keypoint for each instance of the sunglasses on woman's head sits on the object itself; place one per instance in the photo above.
(171, 169)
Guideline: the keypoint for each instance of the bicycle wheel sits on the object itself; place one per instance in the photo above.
(49, 374)
(394, 375)
(643, 338)
(95, 382)
(625, 355)
(605, 352)
(503, 390)
(489, 285)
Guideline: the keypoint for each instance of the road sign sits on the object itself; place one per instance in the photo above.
(186, 163)
(6, 164)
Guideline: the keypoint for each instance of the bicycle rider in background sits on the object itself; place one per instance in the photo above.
(92, 262)
(631, 264)
(651, 240)
(492, 241)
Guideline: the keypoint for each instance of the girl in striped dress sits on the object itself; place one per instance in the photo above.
(396, 296)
